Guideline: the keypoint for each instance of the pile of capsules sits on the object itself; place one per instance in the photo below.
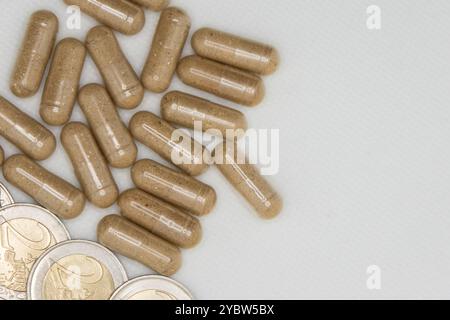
(158, 216)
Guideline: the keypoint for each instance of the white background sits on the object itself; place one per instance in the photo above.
(364, 118)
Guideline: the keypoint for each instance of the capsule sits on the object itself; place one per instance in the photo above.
(34, 54)
(168, 43)
(170, 143)
(120, 15)
(90, 166)
(49, 190)
(246, 178)
(154, 5)
(188, 111)
(128, 239)
(235, 51)
(174, 187)
(2, 156)
(160, 218)
(121, 81)
(61, 87)
(221, 80)
(111, 133)
(24, 132)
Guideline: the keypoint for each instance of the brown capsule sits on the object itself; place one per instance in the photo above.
(120, 15)
(160, 218)
(235, 51)
(34, 54)
(111, 133)
(246, 178)
(174, 187)
(2, 156)
(188, 111)
(24, 132)
(172, 144)
(221, 80)
(61, 87)
(89, 164)
(154, 5)
(128, 239)
(168, 43)
(121, 81)
(49, 190)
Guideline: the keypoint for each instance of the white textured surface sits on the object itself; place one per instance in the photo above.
(364, 118)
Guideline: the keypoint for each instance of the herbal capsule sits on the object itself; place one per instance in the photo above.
(120, 15)
(122, 82)
(187, 111)
(221, 80)
(49, 190)
(174, 187)
(248, 181)
(160, 218)
(34, 54)
(170, 143)
(24, 132)
(154, 5)
(235, 51)
(111, 133)
(90, 166)
(168, 42)
(2, 156)
(61, 87)
(128, 239)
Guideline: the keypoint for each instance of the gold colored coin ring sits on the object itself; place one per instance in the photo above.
(165, 285)
(40, 215)
(90, 249)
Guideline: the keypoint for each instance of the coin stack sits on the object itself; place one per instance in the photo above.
(38, 260)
